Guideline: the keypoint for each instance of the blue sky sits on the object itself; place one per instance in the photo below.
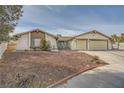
(72, 20)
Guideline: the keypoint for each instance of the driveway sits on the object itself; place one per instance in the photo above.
(109, 76)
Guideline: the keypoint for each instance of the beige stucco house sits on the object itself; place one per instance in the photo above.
(92, 40)
(29, 40)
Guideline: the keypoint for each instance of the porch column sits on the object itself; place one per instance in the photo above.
(29, 40)
(88, 44)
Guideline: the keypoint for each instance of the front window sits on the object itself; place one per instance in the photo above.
(35, 42)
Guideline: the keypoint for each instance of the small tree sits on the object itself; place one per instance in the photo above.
(9, 16)
(114, 37)
(122, 37)
(119, 38)
(44, 45)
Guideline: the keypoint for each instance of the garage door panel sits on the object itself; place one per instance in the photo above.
(98, 45)
(81, 44)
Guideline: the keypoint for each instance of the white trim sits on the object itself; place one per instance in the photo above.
(29, 40)
(88, 44)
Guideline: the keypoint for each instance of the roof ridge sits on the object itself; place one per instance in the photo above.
(37, 29)
(91, 32)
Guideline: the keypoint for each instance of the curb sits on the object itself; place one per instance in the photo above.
(69, 77)
(117, 54)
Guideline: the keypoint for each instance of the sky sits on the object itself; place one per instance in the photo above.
(72, 20)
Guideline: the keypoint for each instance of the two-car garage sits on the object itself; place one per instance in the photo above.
(93, 40)
(92, 44)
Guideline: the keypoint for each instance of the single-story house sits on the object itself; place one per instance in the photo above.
(92, 40)
(29, 40)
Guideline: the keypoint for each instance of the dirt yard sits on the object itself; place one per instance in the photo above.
(41, 69)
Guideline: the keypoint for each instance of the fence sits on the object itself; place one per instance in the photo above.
(3, 47)
(121, 46)
(118, 46)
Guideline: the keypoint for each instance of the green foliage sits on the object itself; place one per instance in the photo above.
(114, 37)
(9, 15)
(118, 38)
(44, 45)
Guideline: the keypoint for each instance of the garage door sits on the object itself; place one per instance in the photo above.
(97, 45)
(81, 45)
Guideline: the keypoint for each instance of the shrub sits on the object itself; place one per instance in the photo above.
(96, 60)
(44, 45)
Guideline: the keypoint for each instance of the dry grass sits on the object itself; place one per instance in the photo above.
(40, 69)
(11, 46)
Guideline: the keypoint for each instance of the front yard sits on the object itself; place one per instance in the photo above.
(41, 69)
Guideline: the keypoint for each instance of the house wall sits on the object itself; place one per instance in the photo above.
(73, 44)
(109, 44)
(52, 41)
(38, 35)
(92, 36)
(23, 42)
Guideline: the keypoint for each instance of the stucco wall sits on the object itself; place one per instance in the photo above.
(23, 42)
(52, 41)
(73, 44)
(109, 44)
(35, 34)
(92, 36)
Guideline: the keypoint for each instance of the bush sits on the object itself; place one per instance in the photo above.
(96, 58)
(44, 45)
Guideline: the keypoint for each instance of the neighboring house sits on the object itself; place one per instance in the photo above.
(92, 40)
(31, 39)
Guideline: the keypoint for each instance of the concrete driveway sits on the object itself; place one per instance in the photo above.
(109, 76)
